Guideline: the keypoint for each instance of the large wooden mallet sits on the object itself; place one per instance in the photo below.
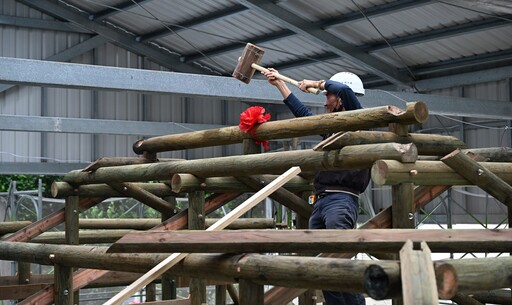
(248, 64)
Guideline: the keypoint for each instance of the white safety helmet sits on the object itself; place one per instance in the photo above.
(351, 80)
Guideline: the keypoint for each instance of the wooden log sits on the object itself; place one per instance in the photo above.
(359, 156)
(147, 198)
(148, 223)
(85, 237)
(288, 271)
(175, 258)
(492, 154)
(303, 241)
(184, 183)
(116, 161)
(427, 144)
(391, 172)
(472, 277)
(414, 113)
(12, 226)
(61, 189)
(480, 176)
(417, 274)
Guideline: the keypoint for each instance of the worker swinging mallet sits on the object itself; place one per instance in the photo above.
(248, 64)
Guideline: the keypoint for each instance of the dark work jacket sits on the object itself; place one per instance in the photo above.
(354, 181)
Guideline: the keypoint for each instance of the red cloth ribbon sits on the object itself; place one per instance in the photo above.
(250, 119)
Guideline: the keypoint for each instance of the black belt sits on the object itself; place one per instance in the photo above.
(322, 195)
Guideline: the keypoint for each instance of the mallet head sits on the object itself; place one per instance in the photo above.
(244, 70)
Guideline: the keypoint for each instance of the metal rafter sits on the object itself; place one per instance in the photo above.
(374, 11)
(331, 42)
(41, 24)
(214, 16)
(126, 41)
(109, 12)
(71, 53)
(92, 77)
(456, 30)
(237, 45)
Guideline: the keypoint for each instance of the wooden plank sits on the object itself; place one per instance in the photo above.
(417, 274)
(221, 224)
(302, 241)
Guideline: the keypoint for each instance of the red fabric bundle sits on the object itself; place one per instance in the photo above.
(250, 119)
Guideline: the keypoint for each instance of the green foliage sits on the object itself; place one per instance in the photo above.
(28, 182)
(127, 208)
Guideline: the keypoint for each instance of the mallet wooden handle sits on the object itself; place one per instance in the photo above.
(285, 78)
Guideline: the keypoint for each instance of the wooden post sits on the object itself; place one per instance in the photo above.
(196, 221)
(250, 293)
(418, 278)
(72, 238)
(220, 295)
(63, 286)
(221, 224)
(24, 273)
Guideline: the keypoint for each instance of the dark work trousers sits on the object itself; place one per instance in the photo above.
(337, 211)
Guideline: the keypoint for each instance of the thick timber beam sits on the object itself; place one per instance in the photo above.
(415, 113)
(184, 183)
(480, 176)
(358, 156)
(391, 172)
(302, 241)
(427, 144)
(61, 189)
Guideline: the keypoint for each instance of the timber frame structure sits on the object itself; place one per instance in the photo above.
(405, 270)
